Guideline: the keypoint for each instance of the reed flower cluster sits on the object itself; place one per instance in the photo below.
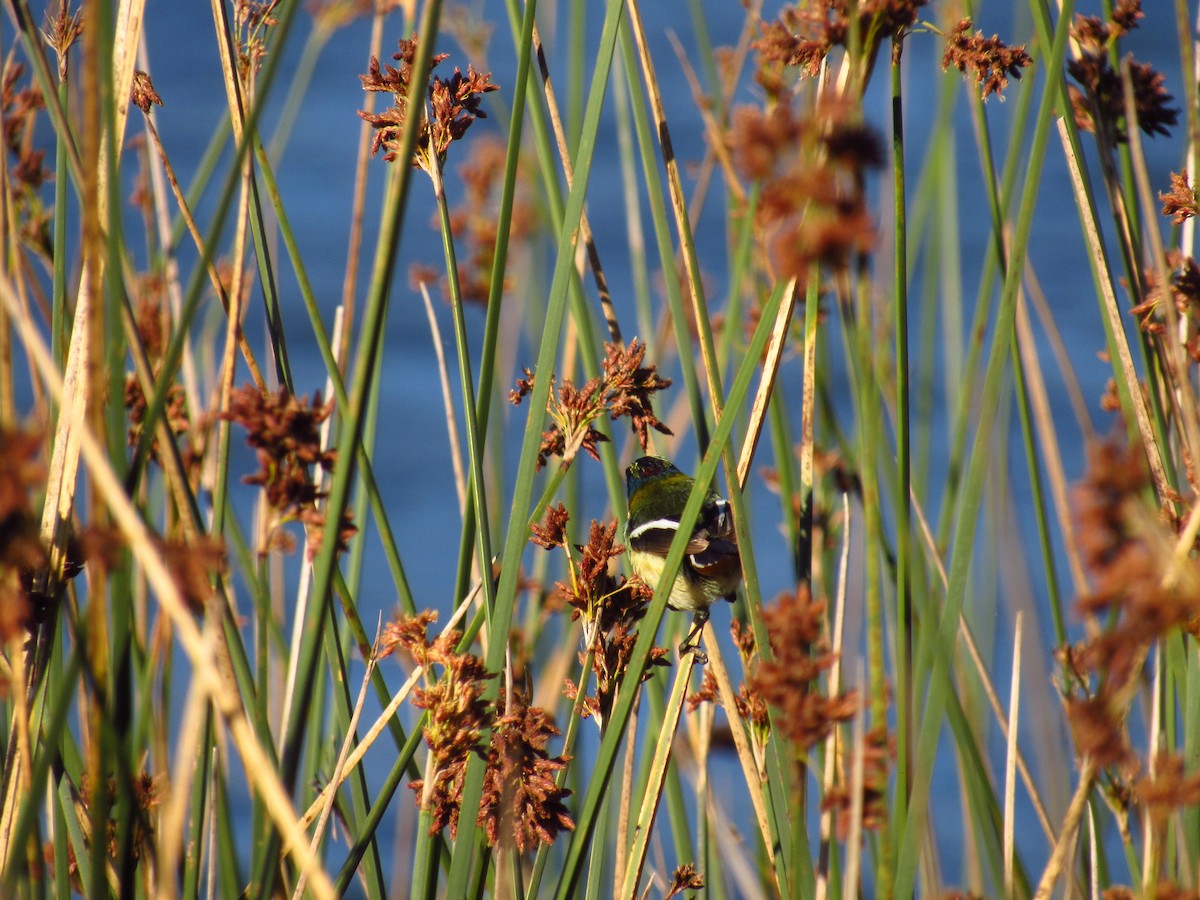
(21, 104)
(804, 34)
(811, 166)
(457, 712)
(522, 802)
(1142, 589)
(789, 680)
(990, 60)
(1180, 201)
(623, 390)
(454, 105)
(609, 606)
(473, 220)
(522, 805)
(285, 432)
(1099, 101)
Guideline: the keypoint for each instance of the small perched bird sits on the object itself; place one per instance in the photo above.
(711, 567)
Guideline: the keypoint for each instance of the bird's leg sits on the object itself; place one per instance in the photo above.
(691, 643)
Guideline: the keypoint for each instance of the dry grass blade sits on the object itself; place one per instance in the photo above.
(1093, 856)
(340, 767)
(354, 242)
(854, 835)
(22, 762)
(829, 776)
(173, 829)
(585, 228)
(1010, 760)
(750, 766)
(1053, 334)
(1066, 839)
(712, 128)
(1100, 260)
(320, 477)
(989, 689)
(626, 803)
(232, 306)
(1047, 434)
(758, 412)
(740, 862)
(460, 478)
(656, 778)
(1150, 845)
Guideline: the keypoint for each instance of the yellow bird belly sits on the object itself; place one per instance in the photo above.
(686, 593)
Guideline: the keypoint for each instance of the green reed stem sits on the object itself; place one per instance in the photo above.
(903, 647)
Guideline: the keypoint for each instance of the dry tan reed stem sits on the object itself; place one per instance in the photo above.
(354, 243)
(1095, 244)
(460, 478)
(585, 228)
(162, 224)
(762, 397)
(173, 825)
(1010, 760)
(1178, 367)
(656, 777)
(1066, 839)
(626, 802)
(751, 766)
(678, 203)
(835, 686)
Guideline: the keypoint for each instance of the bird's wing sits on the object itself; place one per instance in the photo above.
(713, 547)
(654, 536)
(716, 558)
(713, 538)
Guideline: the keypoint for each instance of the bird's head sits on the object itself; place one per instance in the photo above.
(647, 469)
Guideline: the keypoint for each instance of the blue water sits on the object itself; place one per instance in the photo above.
(315, 175)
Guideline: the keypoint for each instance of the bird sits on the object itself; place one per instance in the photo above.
(711, 568)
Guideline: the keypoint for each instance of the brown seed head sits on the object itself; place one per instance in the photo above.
(684, 878)
(990, 60)
(1180, 202)
(142, 94)
(522, 805)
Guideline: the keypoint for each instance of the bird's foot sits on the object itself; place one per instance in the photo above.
(691, 643)
(687, 647)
